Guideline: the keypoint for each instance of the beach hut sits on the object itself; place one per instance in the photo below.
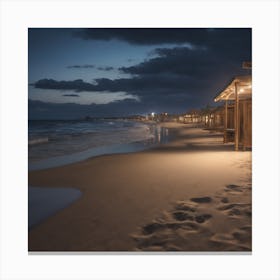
(213, 117)
(238, 111)
(207, 116)
(218, 117)
(192, 116)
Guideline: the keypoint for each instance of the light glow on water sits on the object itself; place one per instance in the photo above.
(44, 202)
(57, 143)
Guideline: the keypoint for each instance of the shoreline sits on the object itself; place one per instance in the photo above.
(44, 202)
(118, 148)
(124, 193)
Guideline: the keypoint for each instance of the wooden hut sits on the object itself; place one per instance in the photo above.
(207, 116)
(218, 117)
(213, 117)
(192, 116)
(238, 111)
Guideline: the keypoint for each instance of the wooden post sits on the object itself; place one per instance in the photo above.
(236, 115)
(226, 121)
(245, 125)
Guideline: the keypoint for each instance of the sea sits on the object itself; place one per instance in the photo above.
(60, 142)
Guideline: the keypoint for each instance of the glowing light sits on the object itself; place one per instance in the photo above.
(153, 114)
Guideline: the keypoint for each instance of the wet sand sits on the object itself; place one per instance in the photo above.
(192, 194)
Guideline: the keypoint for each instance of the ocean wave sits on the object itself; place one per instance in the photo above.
(37, 141)
(64, 138)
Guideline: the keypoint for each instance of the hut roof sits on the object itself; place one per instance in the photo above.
(244, 84)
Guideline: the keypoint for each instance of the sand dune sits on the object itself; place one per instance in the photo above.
(192, 194)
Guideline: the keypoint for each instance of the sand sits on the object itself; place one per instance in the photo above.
(192, 194)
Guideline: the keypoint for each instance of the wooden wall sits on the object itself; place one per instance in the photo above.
(245, 120)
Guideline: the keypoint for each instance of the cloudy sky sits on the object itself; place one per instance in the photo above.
(117, 72)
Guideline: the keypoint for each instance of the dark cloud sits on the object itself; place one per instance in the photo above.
(91, 66)
(140, 85)
(77, 85)
(173, 78)
(180, 70)
(81, 66)
(173, 94)
(228, 37)
(105, 68)
(191, 62)
(159, 85)
(71, 95)
(144, 36)
(179, 61)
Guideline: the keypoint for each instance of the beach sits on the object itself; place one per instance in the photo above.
(190, 194)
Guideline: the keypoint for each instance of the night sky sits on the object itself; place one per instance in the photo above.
(119, 72)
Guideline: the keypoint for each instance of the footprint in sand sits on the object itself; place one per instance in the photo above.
(204, 199)
(231, 192)
(202, 218)
(151, 228)
(159, 240)
(234, 205)
(239, 240)
(185, 206)
(225, 200)
(185, 227)
(233, 188)
(182, 216)
(236, 209)
(158, 235)
(242, 236)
